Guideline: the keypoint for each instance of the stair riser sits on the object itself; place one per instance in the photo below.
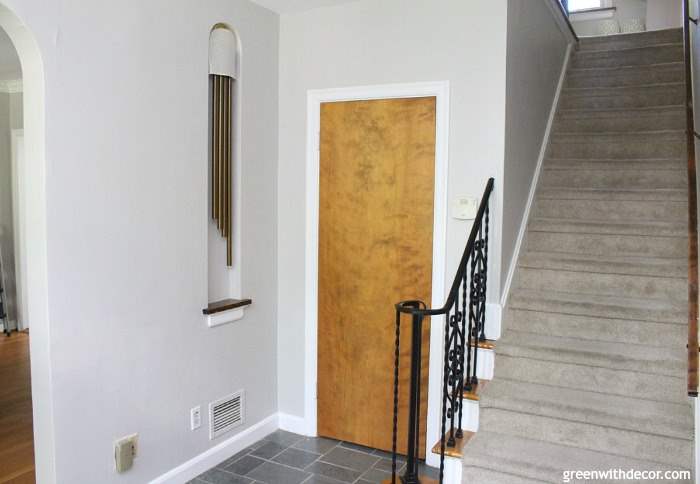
(615, 382)
(629, 76)
(621, 148)
(615, 179)
(597, 329)
(627, 98)
(603, 284)
(611, 245)
(631, 41)
(633, 57)
(658, 313)
(612, 210)
(663, 120)
(600, 439)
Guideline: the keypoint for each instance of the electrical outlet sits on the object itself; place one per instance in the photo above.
(195, 417)
(125, 450)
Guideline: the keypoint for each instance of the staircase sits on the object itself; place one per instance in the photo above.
(591, 369)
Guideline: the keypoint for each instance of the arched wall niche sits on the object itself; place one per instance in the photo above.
(224, 256)
(32, 207)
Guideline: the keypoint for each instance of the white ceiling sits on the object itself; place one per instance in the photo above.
(291, 6)
(10, 69)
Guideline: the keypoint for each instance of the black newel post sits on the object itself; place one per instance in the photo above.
(411, 475)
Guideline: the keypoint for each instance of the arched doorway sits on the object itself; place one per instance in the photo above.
(31, 215)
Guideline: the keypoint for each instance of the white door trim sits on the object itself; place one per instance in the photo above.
(441, 91)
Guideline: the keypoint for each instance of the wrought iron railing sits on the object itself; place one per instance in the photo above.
(465, 316)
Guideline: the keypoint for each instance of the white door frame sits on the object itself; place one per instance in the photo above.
(441, 91)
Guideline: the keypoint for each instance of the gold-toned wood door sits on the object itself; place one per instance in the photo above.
(377, 169)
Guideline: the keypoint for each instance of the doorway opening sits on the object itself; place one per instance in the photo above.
(27, 448)
(16, 417)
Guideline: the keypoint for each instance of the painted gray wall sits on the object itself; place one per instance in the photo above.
(6, 222)
(392, 41)
(16, 111)
(536, 51)
(10, 69)
(664, 14)
(126, 124)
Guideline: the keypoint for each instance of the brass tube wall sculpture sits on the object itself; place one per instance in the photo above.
(223, 70)
(221, 159)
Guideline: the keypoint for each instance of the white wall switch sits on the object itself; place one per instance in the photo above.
(195, 417)
(464, 207)
(125, 451)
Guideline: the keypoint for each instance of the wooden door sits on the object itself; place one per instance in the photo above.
(375, 249)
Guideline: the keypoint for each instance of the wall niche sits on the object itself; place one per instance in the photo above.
(225, 303)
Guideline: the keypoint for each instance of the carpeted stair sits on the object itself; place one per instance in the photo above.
(591, 369)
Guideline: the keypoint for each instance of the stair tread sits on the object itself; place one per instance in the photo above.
(595, 193)
(591, 378)
(670, 134)
(658, 46)
(596, 328)
(617, 307)
(609, 264)
(619, 227)
(562, 431)
(603, 409)
(618, 68)
(616, 90)
(543, 461)
(607, 354)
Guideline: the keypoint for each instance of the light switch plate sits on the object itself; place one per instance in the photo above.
(125, 451)
(464, 207)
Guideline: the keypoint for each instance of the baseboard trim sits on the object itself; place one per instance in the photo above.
(535, 179)
(294, 424)
(219, 453)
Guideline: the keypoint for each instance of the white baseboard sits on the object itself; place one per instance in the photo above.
(535, 180)
(297, 425)
(211, 457)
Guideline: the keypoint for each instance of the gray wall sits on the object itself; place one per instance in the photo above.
(126, 184)
(664, 14)
(392, 41)
(536, 52)
(6, 222)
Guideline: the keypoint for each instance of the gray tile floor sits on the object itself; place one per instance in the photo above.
(286, 458)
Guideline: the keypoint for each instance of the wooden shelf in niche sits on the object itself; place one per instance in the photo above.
(225, 311)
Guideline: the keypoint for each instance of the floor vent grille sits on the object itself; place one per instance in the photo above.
(225, 414)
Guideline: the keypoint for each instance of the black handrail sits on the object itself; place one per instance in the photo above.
(464, 329)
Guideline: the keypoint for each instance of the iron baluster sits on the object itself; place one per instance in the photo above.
(396, 397)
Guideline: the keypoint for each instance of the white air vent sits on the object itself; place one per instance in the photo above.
(225, 414)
